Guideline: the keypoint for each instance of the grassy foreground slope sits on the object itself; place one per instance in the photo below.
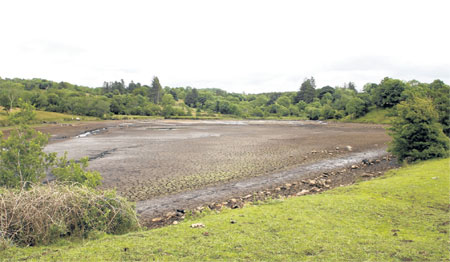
(402, 216)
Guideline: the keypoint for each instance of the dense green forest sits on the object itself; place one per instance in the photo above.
(309, 102)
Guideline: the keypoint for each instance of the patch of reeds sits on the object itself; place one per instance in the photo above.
(47, 212)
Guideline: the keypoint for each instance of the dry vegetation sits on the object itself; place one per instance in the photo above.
(47, 212)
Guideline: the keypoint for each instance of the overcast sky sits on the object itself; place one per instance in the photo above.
(240, 46)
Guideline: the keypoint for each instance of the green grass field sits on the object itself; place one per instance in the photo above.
(375, 116)
(402, 216)
(48, 116)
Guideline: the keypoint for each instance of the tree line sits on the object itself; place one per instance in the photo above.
(309, 102)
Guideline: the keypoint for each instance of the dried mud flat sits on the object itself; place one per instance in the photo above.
(150, 160)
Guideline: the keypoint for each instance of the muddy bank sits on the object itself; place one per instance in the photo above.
(148, 159)
(304, 179)
(167, 165)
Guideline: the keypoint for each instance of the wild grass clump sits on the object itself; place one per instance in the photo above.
(48, 212)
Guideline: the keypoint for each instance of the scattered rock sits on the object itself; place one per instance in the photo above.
(435, 178)
(349, 148)
(303, 192)
(197, 225)
(312, 182)
(175, 222)
(337, 148)
(315, 189)
(366, 175)
(171, 214)
(320, 183)
(288, 185)
(233, 221)
(354, 166)
(247, 197)
(157, 219)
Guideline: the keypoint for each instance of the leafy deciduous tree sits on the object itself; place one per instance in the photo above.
(416, 133)
(388, 93)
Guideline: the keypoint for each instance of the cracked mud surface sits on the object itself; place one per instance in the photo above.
(151, 159)
(225, 191)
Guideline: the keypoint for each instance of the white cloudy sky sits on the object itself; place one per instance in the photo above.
(240, 46)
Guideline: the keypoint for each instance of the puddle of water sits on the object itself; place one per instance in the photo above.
(91, 132)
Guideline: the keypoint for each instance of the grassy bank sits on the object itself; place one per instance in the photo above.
(374, 116)
(44, 116)
(402, 216)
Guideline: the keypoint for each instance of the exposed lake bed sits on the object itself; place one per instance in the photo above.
(152, 159)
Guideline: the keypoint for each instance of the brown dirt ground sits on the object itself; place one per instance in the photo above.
(168, 210)
(145, 159)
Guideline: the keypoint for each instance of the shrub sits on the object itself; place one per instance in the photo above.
(70, 171)
(44, 213)
(22, 159)
(416, 133)
(312, 112)
(327, 112)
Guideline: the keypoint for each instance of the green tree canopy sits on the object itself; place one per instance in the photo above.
(416, 133)
(156, 91)
(388, 93)
(307, 91)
